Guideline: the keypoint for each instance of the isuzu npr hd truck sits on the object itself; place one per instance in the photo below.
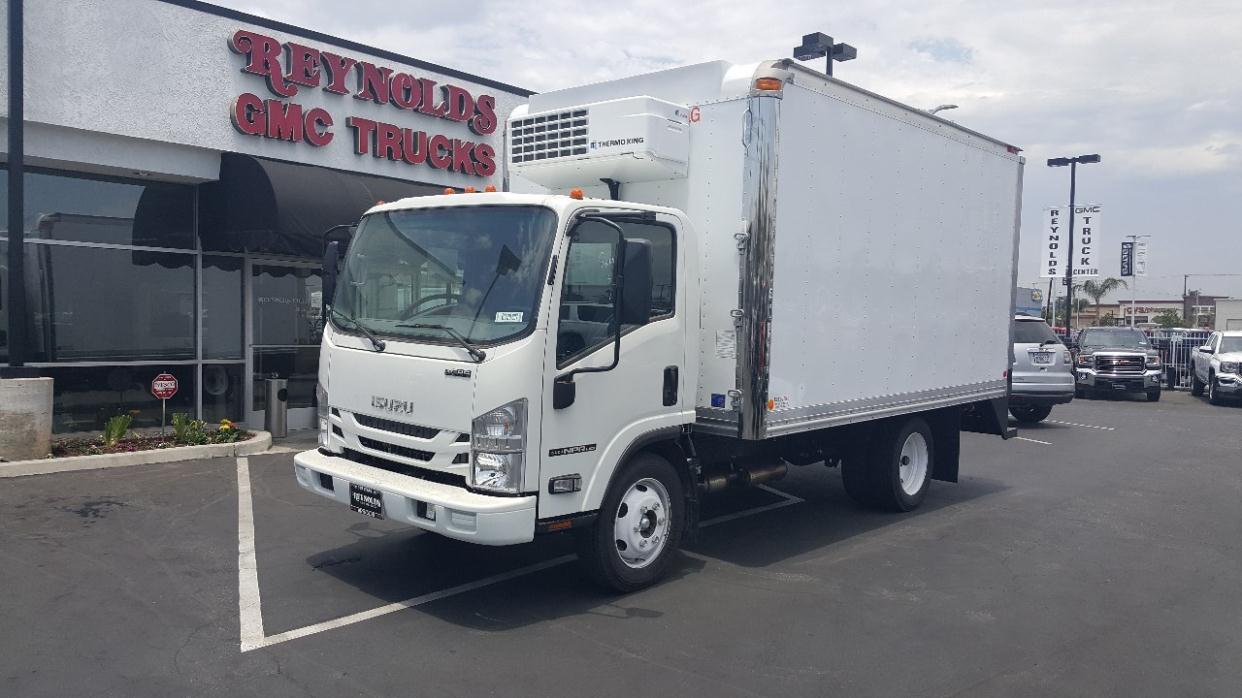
(716, 272)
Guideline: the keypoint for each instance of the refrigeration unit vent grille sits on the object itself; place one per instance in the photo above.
(547, 136)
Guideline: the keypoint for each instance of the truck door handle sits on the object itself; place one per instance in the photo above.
(670, 385)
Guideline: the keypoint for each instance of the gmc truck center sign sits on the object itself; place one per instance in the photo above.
(1056, 241)
(290, 67)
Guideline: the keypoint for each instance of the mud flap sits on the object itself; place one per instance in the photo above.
(988, 417)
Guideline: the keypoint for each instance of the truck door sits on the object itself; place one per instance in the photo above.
(642, 394)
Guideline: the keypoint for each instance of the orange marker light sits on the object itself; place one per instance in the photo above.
(771, 404)
(470, 190)
(575, 193)
(769, 84)
(450, 190)
(490, 188)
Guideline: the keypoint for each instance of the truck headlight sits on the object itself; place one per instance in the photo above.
(1153, 360)
(1229, 366)
(498, 448)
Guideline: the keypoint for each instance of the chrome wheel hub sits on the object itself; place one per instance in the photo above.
(641, 529)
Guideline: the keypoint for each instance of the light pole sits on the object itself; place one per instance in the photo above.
(942, 107)
(1069, 257)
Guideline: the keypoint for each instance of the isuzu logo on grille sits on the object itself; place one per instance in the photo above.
(392, 405)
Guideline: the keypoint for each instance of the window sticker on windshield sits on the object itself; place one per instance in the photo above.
(503, 316)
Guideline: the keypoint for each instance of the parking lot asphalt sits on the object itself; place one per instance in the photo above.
(1099, 554)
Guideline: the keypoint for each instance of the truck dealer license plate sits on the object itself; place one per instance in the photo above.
(367, 501)
(1042, 357)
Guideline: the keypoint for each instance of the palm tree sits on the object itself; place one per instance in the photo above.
(1097, 291)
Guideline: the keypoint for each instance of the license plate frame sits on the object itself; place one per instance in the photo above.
(366, 501)
(1042, 358)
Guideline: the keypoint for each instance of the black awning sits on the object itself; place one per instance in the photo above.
(274, 207)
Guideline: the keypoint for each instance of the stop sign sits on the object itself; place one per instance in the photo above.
(164, 386)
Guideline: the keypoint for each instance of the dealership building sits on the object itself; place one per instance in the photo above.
(184, 166)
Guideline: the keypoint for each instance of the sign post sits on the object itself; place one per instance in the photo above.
(163, 387)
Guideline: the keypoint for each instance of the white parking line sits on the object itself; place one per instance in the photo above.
(250, 607)
(251, 612)
(1085, 426)
(1034, 441)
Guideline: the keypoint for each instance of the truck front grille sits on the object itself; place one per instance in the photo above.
(1119, 364)
(403, 469)
(546, 136)
(394, 449)
(397, 427)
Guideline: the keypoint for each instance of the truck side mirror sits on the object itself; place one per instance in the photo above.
(636, 286)
(331, 258)
(1205, 349)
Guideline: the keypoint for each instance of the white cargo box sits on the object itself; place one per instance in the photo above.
(857, 256)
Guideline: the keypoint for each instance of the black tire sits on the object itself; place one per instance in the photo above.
(598, 551)
(1196, 385)
(1080, 392)
(877, 478)
(1212, 391)
(1031, 414)
(1153, 395)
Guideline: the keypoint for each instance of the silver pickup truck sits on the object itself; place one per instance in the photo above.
(1117, 360)
(1218, 367)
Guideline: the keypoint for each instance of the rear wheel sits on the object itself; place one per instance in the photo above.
(1153, 395)
(897, 468)
(1196, 385)
(1031, 414)
(639, 527)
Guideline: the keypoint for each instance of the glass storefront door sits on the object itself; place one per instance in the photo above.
(285, 309)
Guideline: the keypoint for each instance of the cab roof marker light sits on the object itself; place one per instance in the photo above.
(450, 190)
(769, 84)
(576, 193)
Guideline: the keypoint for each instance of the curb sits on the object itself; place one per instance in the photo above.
(260, 442)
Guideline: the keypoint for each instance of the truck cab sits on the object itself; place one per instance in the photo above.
(492, 307)
(1217, 367)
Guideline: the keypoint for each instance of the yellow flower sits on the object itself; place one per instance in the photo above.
(225, 424)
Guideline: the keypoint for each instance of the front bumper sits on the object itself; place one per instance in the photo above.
(459, 513)
(1121, 382)
(1229, 384)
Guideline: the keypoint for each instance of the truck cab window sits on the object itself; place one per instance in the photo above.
(587, 305)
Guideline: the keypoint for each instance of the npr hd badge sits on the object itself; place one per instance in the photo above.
(571, 450)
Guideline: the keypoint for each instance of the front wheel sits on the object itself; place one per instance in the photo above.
(639, 528)
(1031, 414)
(1196, 385)
(1153, 395)
(1213, 390)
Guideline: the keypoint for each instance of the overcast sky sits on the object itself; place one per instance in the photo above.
(1155, 87)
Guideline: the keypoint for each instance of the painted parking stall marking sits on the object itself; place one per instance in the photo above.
(1076, 424)
(1034, 441)
(250, 608)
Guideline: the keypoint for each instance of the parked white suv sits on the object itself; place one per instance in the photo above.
(1216, 367)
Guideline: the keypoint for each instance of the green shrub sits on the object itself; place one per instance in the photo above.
(116, 428)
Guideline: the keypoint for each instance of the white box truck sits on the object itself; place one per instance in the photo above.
(723, 270)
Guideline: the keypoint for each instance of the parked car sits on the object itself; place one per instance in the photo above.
(1117, 359)
(1043, 373)
(1216, 367)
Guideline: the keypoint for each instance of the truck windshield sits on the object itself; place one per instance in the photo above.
(1230, 344)
(1109, 337)
(475, 270)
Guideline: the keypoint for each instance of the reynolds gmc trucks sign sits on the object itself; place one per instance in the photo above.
(289, 68)
(1056, 238)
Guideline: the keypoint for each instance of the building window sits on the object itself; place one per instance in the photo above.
(82, 209)
(85, 397)
(223, 322)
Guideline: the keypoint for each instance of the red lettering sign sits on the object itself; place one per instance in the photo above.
(287, 66)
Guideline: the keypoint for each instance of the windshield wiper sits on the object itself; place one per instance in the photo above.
(475, 352)
(375, 341)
